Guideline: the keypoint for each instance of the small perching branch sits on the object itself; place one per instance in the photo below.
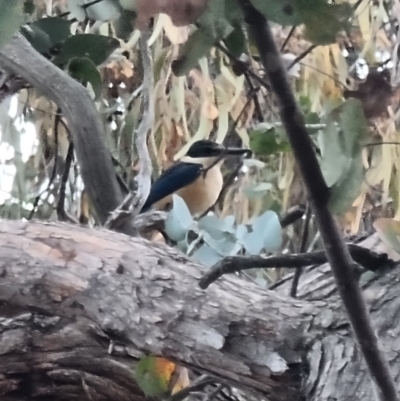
(133, 203)
(369, 260)
(337, 253)
(87, 131)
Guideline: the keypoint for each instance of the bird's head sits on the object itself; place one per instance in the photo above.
(205, 148)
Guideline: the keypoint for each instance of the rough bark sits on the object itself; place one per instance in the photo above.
(67, 292)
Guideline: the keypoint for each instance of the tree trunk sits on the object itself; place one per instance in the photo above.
(79, 307)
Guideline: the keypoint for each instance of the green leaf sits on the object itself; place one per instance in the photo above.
(267, 141)
(241, 232)
(29, 7)
(226, 246)
(39, 40)
(215, 24)
(354, 127)
(341, 149)
(346, 190)
(154, 375)
(76, 9)
(235, 42)
(97, 48)
(284, 12)
(57, 29)
(179, 220)
(324, 22)
(266, 234)
(215, 226)
(207, 256)
(11, 17)
(214, 19)
(197, 46)
(83, 70)
(124, 25)
(334, 164)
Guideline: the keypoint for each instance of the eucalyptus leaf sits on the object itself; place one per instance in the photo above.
(105, 10)
(322, 20)
(29, 7)
(207, 256)
(179, 220)
(253, 163)
(11, 17)
(57, 29)
(97, 48)
(257, 190)
(284, 12)
(241, 232)
(197, 46)
(124, 24)
(215, 226)
(84, 71)
(76, 10)
(268, 141)
(235, 42)
(230, 221)
(322, 23)
(266, 234)
(215, 24)
(39, 39)
(346, 190)
(214, 19)
(353, 127)
(226, 246)
(334, 164)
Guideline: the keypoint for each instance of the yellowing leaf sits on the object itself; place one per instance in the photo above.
(154, 374)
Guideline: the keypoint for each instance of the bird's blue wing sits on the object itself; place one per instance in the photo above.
(176, 177)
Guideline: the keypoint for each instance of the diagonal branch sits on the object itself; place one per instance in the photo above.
(88, 136)
(337, 253)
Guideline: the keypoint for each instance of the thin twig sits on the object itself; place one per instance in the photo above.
(231, 177)
(301, 56)
(133, 203)
(62, 214)
(292, 215)
(243, 65)
(57, 121)
(254, 92)
(337, 252)
(302, 248)
(368, 259)
(286, 41)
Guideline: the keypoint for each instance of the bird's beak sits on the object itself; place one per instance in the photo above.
(237, 152)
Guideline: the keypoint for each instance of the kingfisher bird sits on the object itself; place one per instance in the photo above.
(196, 178)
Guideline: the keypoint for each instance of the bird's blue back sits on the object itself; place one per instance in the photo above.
(173, 179)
